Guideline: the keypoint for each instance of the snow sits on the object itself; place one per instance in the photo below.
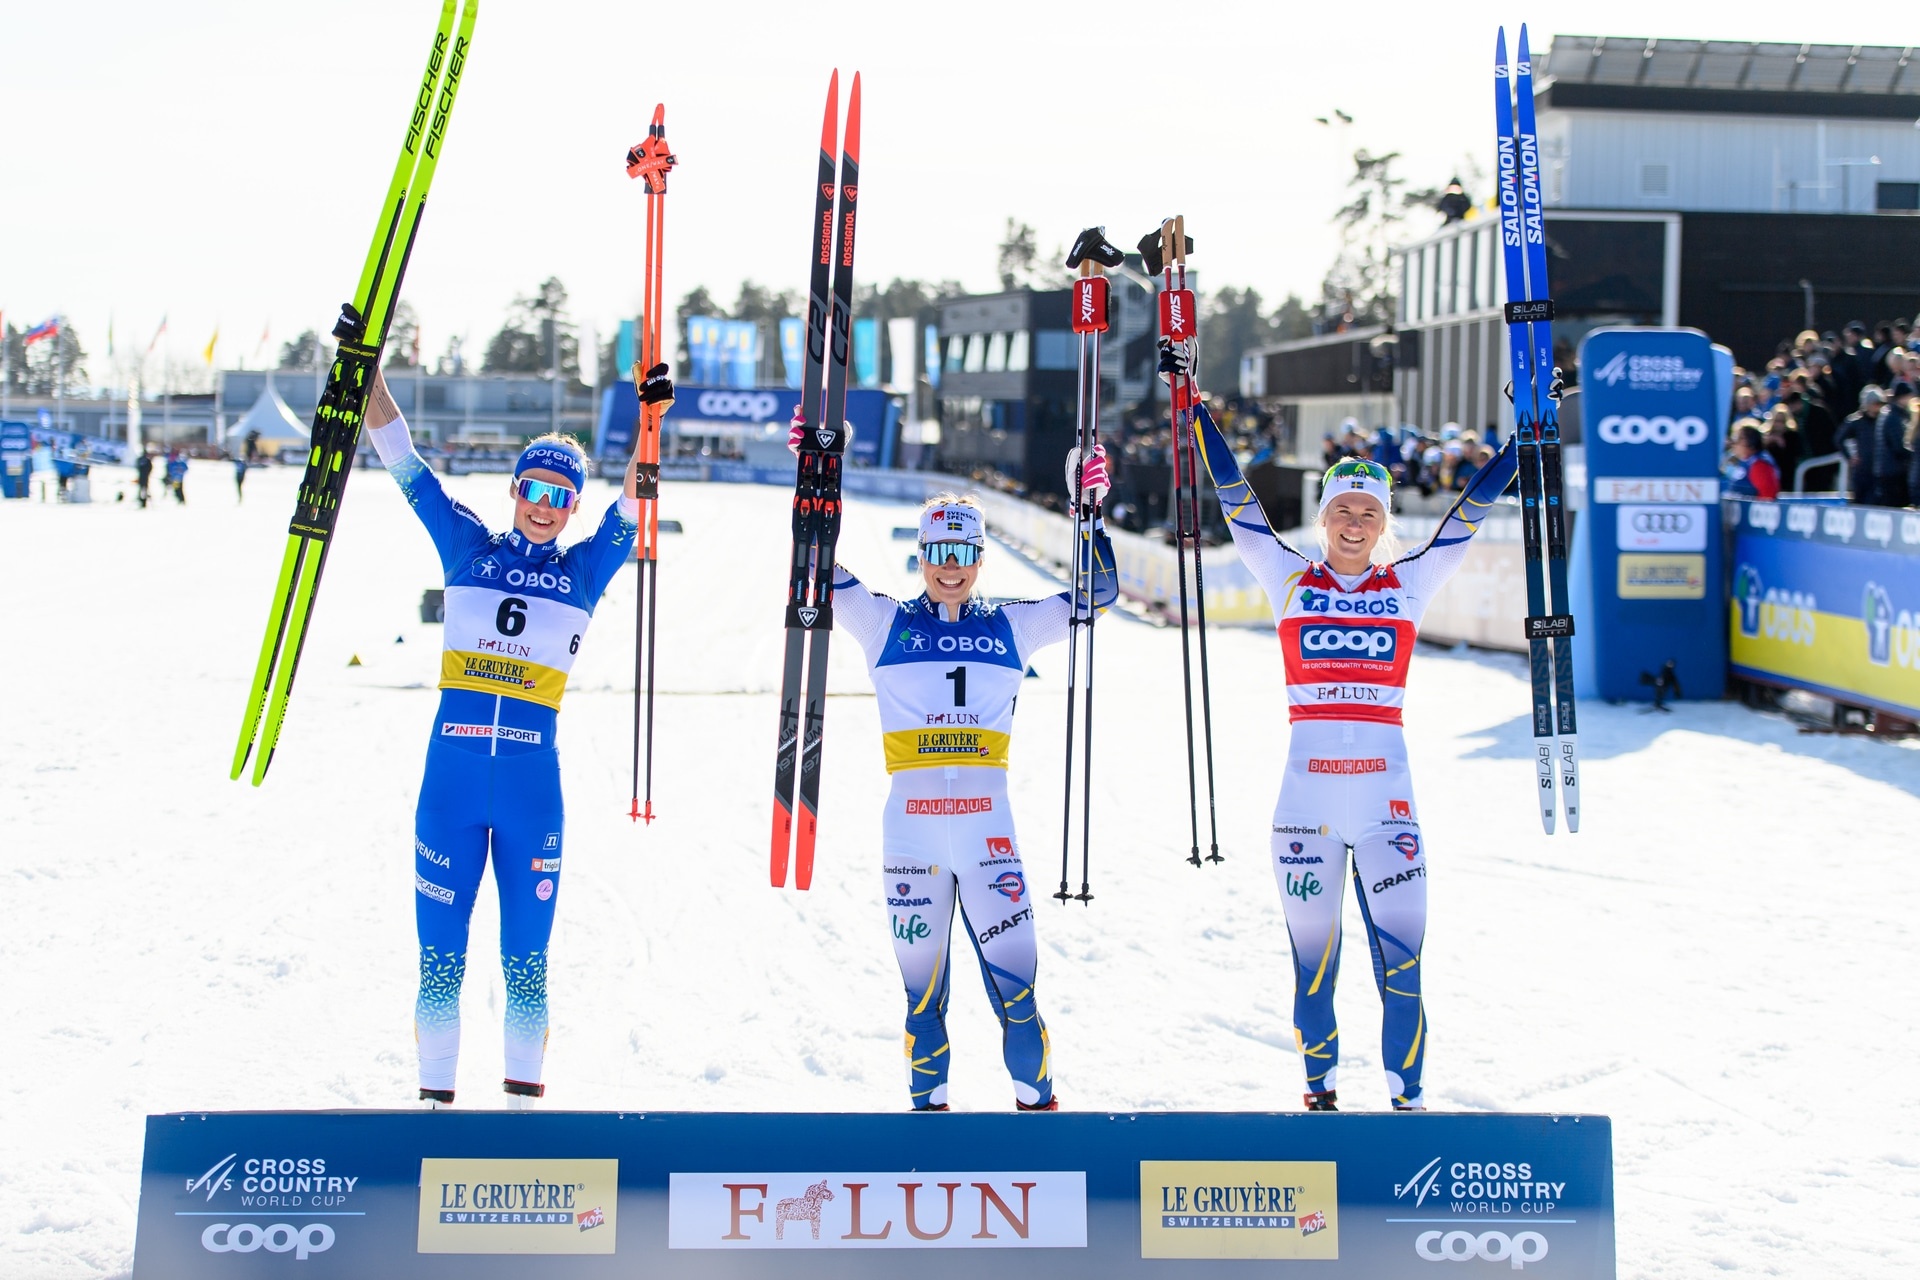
(1717, 961)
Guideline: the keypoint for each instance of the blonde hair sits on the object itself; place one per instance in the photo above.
(948, 498)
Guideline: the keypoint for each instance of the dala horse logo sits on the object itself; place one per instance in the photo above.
(802, 1208)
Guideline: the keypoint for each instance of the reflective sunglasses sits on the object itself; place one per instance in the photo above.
(1347, 467)
(961, 553)
(558, 496)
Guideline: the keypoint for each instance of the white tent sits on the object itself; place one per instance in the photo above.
(273, 420)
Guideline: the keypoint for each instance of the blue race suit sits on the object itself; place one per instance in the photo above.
(516, 612)
(947, 689)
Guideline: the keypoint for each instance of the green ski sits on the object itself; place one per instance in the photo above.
(362, 333)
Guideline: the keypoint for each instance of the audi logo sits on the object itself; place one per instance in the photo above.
(754, 406)
(1663, 522)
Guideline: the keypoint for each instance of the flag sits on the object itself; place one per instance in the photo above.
(212, 342)
(156, 335)
(266, 331)
(50, 327)
(109, 335)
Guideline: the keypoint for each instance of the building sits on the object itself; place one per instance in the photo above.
(1008, 392)
(1747, 190)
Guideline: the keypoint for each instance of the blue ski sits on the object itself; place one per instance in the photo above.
(1529, 315)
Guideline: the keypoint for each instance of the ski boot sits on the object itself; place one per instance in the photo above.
(521, 1095)
(1051, 1104)
(436, 1099)
(1321, 1101)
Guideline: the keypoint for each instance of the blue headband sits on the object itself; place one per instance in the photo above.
(553, 457)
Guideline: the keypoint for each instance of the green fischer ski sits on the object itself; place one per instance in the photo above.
(362, 333)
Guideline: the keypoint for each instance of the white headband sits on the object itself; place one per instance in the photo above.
(955, 522)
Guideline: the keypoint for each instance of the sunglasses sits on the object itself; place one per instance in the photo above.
(961, 553)
(558, 496)
(1358, 467)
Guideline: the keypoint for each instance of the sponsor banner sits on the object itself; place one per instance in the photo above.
(1651, 545)
(1662, 577)
(1840, 621)
(1239, 1209)
(518, 1206)
(918, 1210)
(494, 1195)
(1830, 524)
(1662, 528)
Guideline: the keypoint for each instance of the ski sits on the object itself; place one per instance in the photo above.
(651, 161)
(361, 332)
(1547, 406)
(1529, 317)
(816, 498)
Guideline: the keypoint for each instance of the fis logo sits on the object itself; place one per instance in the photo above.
(1613, 370)
(1381, 643)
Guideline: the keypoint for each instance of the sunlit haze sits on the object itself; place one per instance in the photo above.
(219, 161)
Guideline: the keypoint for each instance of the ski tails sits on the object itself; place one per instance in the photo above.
(1535, 389)
(361, 332)
(816, 498)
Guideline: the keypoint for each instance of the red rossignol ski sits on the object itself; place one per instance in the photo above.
(816, 497)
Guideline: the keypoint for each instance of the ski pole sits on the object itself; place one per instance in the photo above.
(1089, 514)
(651, 161)
(1160, 242)
(1073, 608)
(1183, 313)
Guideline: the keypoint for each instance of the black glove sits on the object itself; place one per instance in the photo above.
(1150, 251)
(1093, 244)
(657, 388)
(1176, 359)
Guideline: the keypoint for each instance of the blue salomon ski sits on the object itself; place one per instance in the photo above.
(1536, 397)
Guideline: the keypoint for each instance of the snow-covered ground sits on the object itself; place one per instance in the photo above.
(1718, 961)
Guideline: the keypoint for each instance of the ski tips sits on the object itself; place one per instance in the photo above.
(659, 126)
(852, 144)
(1521, 55)
(1500, 52)
(831, 120)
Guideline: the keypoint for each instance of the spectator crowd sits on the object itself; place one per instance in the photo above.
(1845, 402)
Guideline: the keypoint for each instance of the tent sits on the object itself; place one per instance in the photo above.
(273, 420)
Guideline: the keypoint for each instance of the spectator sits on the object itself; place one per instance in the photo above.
(1855, 439)
(1743, 402)
(240, 479)
(1891, 453)
(1817, 429)
(177, 475)
(1750, 473)
(1782, 440)
(142, 477)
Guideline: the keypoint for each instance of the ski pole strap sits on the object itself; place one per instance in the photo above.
(1535, 311)
(1550, 626)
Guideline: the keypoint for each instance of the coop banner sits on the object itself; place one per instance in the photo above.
(493, 1195)
(1828, 599)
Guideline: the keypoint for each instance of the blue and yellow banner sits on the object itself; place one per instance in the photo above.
(1828, 599)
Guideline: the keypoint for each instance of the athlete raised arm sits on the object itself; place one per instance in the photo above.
(1347, 624)
(517, 607)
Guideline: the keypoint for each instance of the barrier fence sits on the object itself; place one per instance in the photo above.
(1827, 599)
(480, 1195)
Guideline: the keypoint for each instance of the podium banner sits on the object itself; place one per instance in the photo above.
(486, 1194)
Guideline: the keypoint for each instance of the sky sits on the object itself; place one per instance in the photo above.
(220, 162)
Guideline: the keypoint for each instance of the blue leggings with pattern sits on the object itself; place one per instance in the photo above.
(473, 802)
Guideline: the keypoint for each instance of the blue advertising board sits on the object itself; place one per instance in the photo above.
(1651, 530)
(734, 411)
(1827, 598)
(517, 1194)
(16, 459)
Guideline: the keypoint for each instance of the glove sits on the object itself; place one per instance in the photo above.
(1176, 359)
(656, 388)
(1094, 484)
